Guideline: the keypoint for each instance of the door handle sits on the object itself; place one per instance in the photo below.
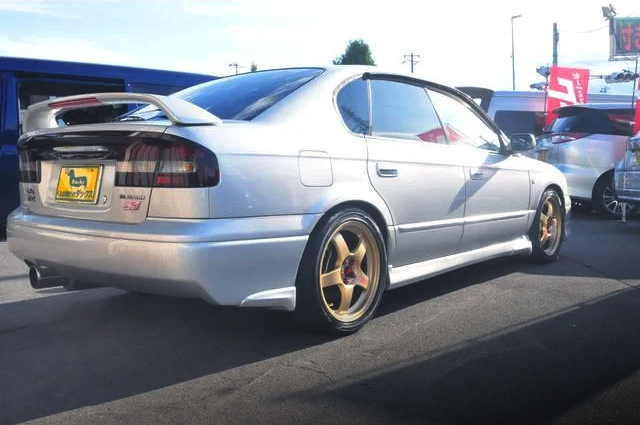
(477, 175)
(386, 170)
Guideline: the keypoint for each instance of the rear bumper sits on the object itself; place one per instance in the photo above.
(242, 262)
(627, 186)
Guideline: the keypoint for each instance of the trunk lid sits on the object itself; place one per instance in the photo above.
(75, 174)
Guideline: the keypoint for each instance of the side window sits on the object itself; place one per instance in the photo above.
(404, 111)
(462, 125)
(32, 91)
(353, 103)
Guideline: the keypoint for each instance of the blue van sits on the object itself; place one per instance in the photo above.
(24, 82)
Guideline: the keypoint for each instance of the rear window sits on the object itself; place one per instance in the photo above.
(612, 122)
(244, 97)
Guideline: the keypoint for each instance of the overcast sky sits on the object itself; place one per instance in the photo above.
(459, 42)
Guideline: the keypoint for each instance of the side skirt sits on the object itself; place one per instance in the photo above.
(405, 275)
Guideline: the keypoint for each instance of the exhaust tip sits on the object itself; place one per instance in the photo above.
(39, 279)
(34, 277)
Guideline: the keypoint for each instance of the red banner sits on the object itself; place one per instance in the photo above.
(567, 86)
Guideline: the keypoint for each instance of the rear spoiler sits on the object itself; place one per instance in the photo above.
(42, 115)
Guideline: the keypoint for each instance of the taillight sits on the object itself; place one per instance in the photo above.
(164, 163)
(566, 137)
(83, 102)
(28, 166)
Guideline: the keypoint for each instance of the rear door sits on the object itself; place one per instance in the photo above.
(413, 169)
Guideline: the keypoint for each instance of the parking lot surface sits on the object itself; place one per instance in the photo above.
(503, 342)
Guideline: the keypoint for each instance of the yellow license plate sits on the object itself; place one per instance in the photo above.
(636, 158)
(79, 184)
(542, 156)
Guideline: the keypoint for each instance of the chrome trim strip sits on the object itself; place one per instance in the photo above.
(440, 224)
(65, 149)
(495, 217)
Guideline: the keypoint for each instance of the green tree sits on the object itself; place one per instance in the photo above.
(357, 53)
(254, 67)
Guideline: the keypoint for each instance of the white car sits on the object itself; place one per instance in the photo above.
(586, 142)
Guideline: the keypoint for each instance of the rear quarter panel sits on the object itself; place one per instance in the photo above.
(260, 171)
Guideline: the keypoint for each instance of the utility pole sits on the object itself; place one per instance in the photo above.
(556, 38)
(235, 64)
(513, 54)
(609, 14)
(411, 60)
(633, 97)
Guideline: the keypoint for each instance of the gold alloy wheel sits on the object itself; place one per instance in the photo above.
(349, 271)
(550, 225)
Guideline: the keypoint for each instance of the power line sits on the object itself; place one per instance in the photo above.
(586, 31)
(631, 15)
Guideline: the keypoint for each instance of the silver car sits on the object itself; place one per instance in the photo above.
(312, 190)
(586, 142)
(627, 174)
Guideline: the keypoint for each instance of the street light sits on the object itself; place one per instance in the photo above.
(513, 58)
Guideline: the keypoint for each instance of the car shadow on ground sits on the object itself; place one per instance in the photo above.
(121, 344)
(536, 372)
(94, 346)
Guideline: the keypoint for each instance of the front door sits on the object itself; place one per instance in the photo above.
(496, 184)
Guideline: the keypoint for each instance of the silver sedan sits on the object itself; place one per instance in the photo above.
(312, 190)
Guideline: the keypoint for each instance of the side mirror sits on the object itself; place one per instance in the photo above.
(522, 141)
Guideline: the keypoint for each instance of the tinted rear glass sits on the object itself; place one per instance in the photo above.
(583, 121)
(243, 97)
(353, 103)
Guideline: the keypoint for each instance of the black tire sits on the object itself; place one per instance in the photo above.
(341, 249)
(547, 232)
(605, 203)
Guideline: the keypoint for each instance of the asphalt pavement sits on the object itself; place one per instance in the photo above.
(503, 342)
